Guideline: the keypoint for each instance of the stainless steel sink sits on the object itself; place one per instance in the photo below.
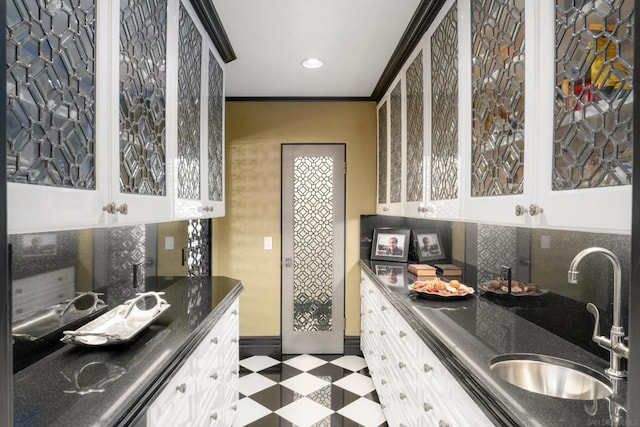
(552, 376)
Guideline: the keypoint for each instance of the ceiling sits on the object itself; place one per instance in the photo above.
(270, 38)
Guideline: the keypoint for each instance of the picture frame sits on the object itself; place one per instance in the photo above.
(39, 245)
(391, 244)
(427, 245)
(392, 274)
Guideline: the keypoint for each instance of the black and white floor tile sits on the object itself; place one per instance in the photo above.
(307, 390)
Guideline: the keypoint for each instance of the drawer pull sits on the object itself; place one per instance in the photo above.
(427, 407)
(370, 311)
(427, 368)
(383, 333)
(234, 340)
(402, 334)
(443, 424)
(401, 365)
(214, 376)
(214, 340)
(234, 372)
(383, 382)
(234, 408)
(182, 388)
(403, 396)
(234, 312)
(214, 416)
(383, 308)
(383, 357)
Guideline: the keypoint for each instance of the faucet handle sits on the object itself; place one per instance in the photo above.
(596, 337)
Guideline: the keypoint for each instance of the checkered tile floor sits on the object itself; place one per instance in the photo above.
(307, 390)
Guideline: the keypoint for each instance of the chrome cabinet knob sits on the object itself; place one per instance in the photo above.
(214, 416)
(535, 210)
(402, 334)
(123, 209)
(214, 376)
(403, 396)
(427, 407)
(427, 368)
(521, 210)
(401, 365)
(109, 208)
(182, 388)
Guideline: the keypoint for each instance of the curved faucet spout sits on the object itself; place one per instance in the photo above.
(617, 277)
(615, 342)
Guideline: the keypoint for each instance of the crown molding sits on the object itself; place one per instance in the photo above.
(212, 24)
(423, 17)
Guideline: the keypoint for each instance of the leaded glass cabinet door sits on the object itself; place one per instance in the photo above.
(56, 147)
(391, 148)
(313, 239)
(586, 90)
(497, 179)
(140, 102)
(442, 126)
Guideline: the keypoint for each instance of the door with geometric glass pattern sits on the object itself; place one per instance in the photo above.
(313, 248)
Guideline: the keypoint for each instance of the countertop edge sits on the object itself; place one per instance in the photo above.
(137, 410)
(490, 406)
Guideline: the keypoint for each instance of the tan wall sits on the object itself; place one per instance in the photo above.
(254, 134)
(170, 261)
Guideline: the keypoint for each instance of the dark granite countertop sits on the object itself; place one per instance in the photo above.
(55, 391)
(467, 333)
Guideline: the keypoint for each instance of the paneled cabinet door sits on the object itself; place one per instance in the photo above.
(574, 125)
(141, 99)
(57, 157)
(391, 148)
(198, 169)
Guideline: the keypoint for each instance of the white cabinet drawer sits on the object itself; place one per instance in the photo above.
(175, 405)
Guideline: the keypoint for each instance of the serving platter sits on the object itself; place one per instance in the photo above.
(437, 289)
(119, 325)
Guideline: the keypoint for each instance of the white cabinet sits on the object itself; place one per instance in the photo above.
(425, 164)
(198, 171)
(406, 373)
(391, 146)
(132, 168)
(204, 392)
(526, 197)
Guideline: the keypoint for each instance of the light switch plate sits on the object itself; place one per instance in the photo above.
(268, 243)
(169, 243)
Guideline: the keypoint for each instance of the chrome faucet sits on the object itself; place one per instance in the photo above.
(614, 343)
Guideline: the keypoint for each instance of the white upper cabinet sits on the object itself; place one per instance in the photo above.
(100, 130)
(391, 147)
(527, 117)
(551, 118)
(199, 172)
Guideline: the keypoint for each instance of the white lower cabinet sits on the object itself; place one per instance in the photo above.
(204, 392)
(414, 387)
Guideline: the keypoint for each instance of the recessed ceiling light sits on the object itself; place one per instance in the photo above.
(312, 63)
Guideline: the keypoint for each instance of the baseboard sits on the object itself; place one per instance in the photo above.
(272, 346)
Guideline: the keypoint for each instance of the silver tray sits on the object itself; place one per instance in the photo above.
(119, 325)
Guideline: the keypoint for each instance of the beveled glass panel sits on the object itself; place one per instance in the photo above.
(497, 33)
(444, 108)
(395, 172)
(51, 93)
(382, 153)
(216, 106)
(593, 126)
(313, 217)
(415, 131)
(189, 72)
(143, 46)
(199, 254)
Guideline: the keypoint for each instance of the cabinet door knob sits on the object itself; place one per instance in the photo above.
(401, 365)
(109, 208)
(402, 334)
(383, 308)
(182, 388)
(123, 209)
(535, 210)
(214, 376)
(214, 416)
(214, 340)
(403, 396)
(521, 210)
(427, 407)
(234, 312)
(427, 368)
